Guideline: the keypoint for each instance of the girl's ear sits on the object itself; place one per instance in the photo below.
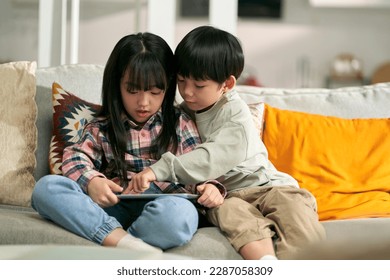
(230, 82)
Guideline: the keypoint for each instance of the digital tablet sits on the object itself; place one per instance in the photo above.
(155, 195)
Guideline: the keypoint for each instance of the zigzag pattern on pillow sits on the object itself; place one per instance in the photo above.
(70, 114)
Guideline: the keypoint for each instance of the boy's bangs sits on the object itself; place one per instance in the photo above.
(194, 68)
(146, 72)
(202, 65)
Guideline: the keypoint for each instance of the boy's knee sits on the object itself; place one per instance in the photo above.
(293, 198)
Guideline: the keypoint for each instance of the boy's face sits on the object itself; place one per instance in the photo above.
(199, 94)
(140, 104)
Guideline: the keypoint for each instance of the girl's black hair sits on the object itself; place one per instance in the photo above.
(149, 60)
(208, 53)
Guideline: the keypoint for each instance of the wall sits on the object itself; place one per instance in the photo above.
(318, 34)
(18, 31)
(274, 49)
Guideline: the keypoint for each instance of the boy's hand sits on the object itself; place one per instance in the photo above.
(102, 191)
(140, 182)
(210, 196)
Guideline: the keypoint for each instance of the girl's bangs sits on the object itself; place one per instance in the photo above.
(146, 72)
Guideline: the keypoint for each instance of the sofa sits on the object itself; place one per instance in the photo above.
(21, 226)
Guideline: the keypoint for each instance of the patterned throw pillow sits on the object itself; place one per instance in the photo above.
(70, 114)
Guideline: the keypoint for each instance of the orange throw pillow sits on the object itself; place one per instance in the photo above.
(344, 163)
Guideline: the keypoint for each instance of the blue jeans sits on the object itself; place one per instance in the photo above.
(164, 222)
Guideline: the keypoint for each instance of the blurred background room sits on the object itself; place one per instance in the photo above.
(287, 43)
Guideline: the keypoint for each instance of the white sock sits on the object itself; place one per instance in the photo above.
(131, 242)
(268, 257)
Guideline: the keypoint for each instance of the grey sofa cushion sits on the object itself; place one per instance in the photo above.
(22, 225)
(208, 243)
(44, 125)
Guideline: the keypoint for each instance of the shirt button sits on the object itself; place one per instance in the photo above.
(143, 134)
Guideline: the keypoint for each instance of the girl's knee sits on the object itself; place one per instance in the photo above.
(176, 212)
(41, 186)
(175, 218)
(50, 185)
(42, 192)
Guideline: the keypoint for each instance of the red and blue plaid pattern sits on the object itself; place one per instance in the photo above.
(92, 155)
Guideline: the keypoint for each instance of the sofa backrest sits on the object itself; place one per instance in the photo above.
(85, 81)
(371, 101)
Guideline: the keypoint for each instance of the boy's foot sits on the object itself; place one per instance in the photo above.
(131, 242)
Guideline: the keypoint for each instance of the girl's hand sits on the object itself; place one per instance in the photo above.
(210, 196)
(140, 182)
(102, 191)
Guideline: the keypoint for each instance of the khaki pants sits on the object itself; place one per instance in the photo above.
(286, 214)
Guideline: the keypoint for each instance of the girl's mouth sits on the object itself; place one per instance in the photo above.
(142, 113)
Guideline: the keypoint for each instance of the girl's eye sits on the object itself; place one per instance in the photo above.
(156, 92)
(199, 86)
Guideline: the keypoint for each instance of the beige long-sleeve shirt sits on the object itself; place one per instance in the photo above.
(231, 151)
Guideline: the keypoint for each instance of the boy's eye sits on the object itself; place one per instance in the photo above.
(200, 86)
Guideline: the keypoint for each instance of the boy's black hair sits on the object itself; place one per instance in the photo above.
(208, 53)
(149, 60)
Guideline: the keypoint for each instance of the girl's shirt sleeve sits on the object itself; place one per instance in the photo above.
(83, 160)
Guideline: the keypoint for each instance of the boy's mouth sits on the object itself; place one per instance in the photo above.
(191, 103)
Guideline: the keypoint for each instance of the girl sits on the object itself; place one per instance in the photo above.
(137, 124)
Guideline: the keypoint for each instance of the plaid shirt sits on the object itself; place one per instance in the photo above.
(92, 155)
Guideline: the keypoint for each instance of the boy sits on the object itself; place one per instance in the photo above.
(263, 207)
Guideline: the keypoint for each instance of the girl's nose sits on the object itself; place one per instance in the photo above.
(142, 98)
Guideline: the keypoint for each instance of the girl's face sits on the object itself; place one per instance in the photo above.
(199, 94)
(140, 104)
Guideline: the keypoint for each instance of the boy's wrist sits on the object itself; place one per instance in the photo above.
(218, 185)
(161, 169)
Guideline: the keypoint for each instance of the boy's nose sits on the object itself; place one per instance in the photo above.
(187, 91)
